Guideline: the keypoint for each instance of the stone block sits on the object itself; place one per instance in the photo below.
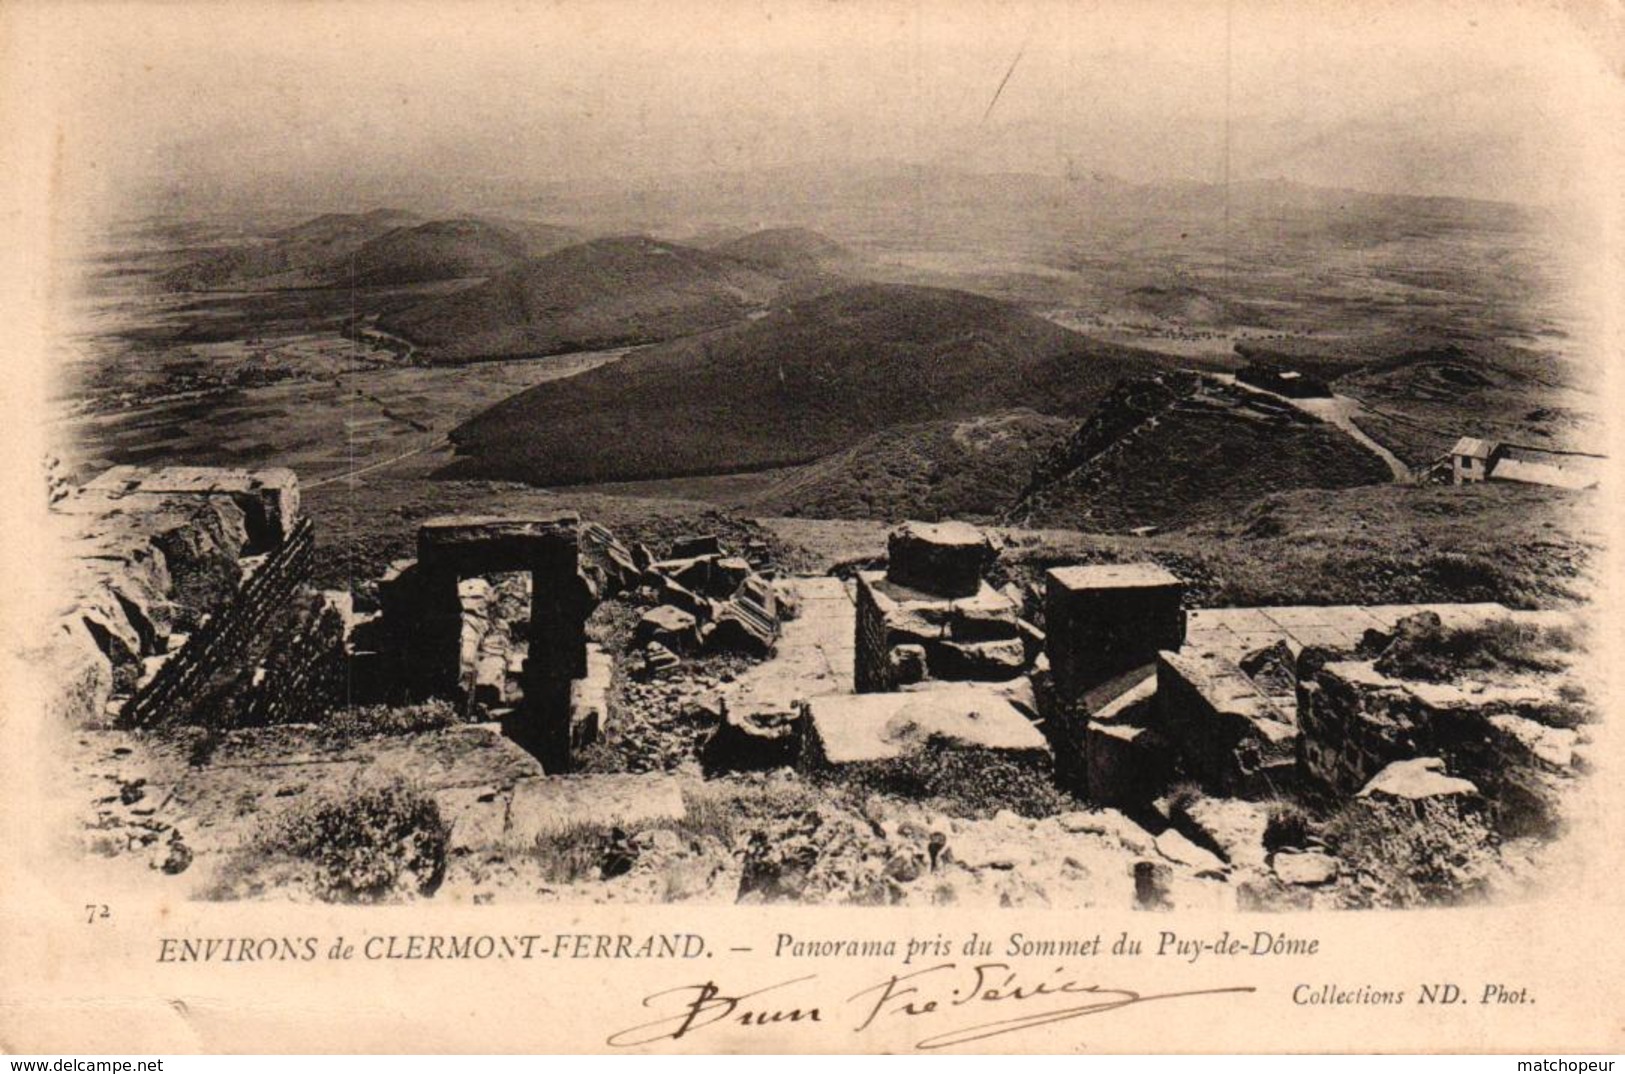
(986, 615)
(755, 739)
(977, 661)
(1233, 738)
(680, 596)
(856, 728)
(1100, 620)
(706, 544)
(972, 638)
(1234, 827)
(739, 630)
(267, 498)
(1177, 848)
(1309, 867)
(670, 626)
(110, 629)
(658, 659)
(484, 544)
(589, 698)
(942, 558)
(1123, 765)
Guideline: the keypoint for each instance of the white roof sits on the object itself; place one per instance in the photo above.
(1471, 447)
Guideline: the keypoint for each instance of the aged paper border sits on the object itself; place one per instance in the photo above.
(72, 988)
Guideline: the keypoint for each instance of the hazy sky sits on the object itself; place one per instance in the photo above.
(1468, 98)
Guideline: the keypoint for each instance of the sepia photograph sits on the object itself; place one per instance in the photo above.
(1102, 460)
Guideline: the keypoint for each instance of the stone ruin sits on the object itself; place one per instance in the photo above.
(1108, 619)
(940, 659)
(191, 598)
(1251, 713)
(432, 636)
(177, 578)
(932, 616)
(417, 636)
(190, 602)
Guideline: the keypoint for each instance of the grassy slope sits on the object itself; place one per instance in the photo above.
(1392, 544)
(1176, 450)
(595, 295)
(805, 381)
(1424, 398)
(975, 468)
(1522, 545)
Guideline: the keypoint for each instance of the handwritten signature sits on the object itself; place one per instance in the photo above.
(933, 994)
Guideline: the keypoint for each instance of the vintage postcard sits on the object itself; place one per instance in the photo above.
(797, 526)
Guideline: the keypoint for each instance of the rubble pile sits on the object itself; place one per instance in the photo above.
(705, 600)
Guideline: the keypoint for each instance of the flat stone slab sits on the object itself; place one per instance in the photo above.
(1310, 867)
(553, 803)
(814, 655)
(494, 536)
(1415, 779)
(1090, 576)
(1234, 632)
(858, 728)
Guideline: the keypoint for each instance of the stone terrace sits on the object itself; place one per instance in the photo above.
(1235, 632)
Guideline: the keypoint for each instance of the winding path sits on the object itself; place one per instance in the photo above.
(370, 467)
(1338, 410)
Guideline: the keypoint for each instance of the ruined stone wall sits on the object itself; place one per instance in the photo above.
(222, 641)
(1509, 738)
(872, 656)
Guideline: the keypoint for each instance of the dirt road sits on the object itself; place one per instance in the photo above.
(1338, 410)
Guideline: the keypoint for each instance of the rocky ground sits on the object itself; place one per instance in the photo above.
(214, 819)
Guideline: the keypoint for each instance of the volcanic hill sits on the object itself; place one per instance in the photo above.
(605, 293)
(808, 379)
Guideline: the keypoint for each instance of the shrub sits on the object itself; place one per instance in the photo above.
(365, 721)
(571, 852)
(1425, 649)
(1432, 854)
(377, 843)
(968, 783)
(706, 814)
(1288, 825)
